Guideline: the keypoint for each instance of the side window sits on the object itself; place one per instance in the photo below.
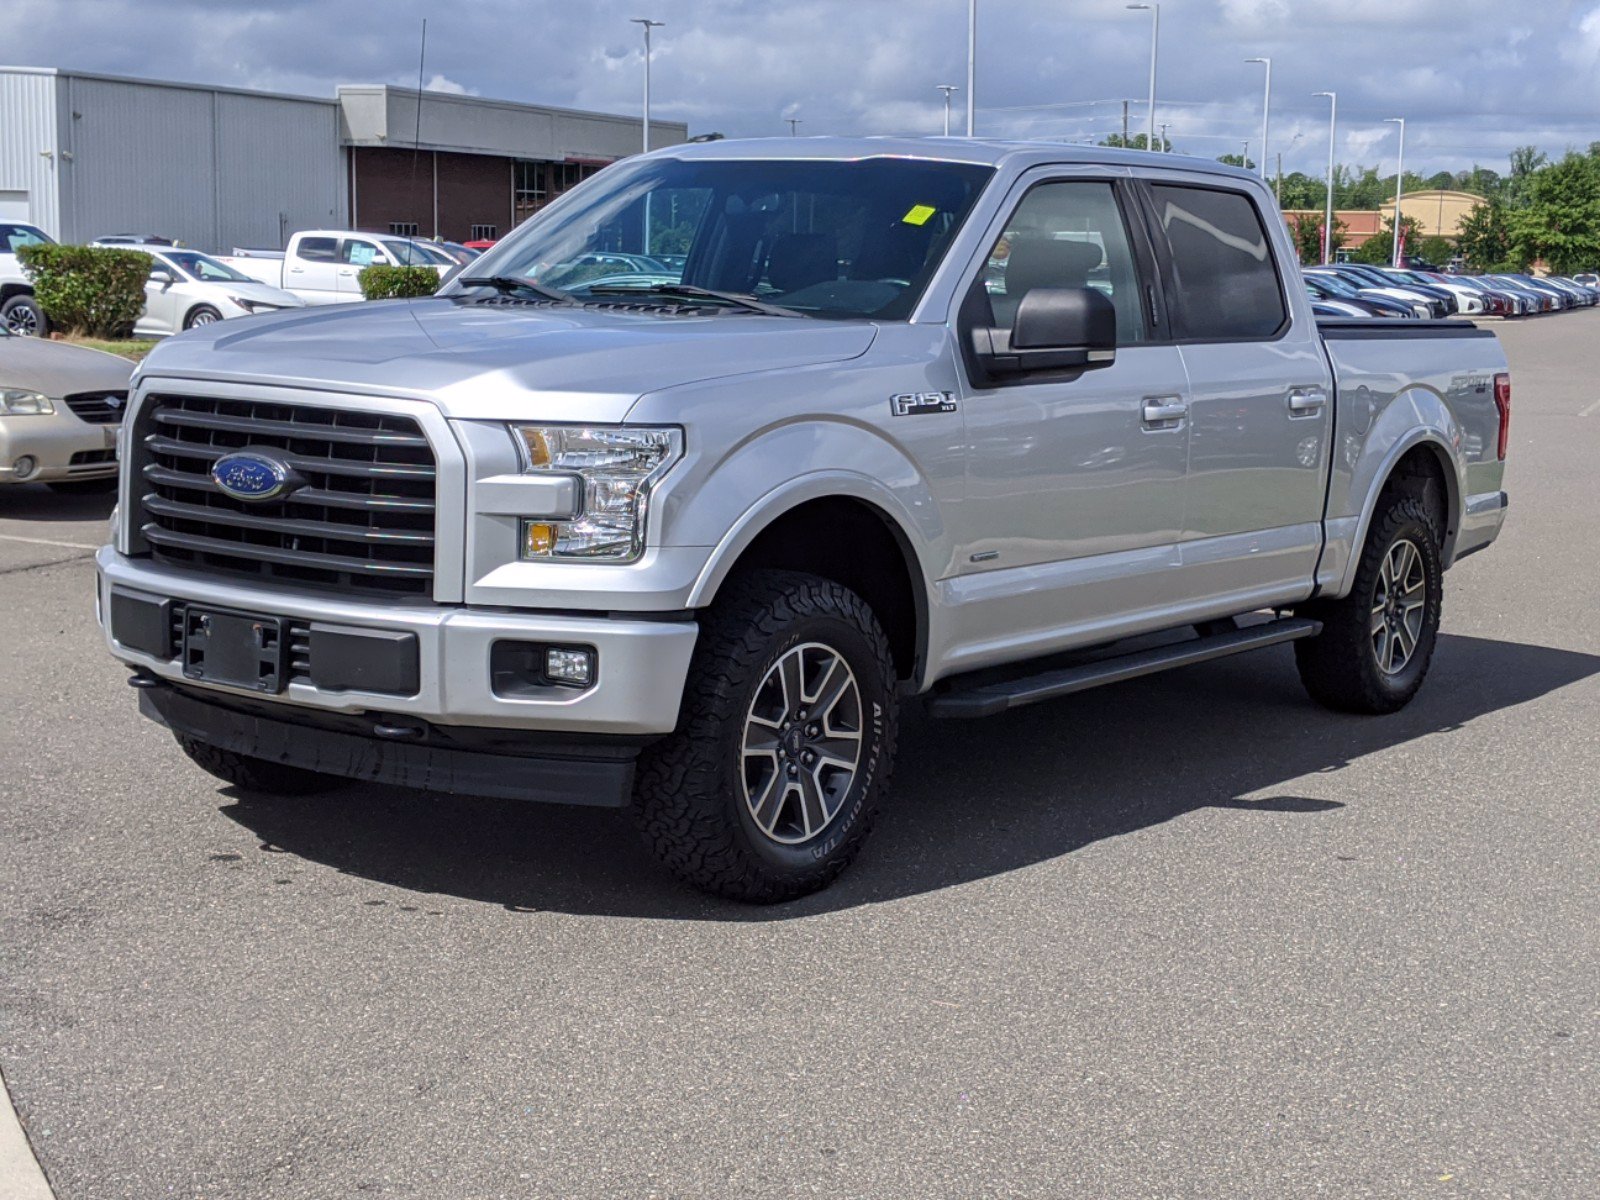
(1227, 283)
(319, 249)
(361, 254)
(1067, 235)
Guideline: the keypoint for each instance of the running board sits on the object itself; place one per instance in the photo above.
(987, 700)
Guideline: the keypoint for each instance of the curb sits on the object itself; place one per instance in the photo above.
(21, 1177)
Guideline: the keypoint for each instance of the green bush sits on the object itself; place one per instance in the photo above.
(383, 282)
(87, 290)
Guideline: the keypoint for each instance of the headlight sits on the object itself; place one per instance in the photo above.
(615, 468)
(251, 306)
(14, 402)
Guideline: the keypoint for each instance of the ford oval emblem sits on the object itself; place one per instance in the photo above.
(253, 475)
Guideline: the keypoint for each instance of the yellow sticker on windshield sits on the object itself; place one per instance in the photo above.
(919, 214)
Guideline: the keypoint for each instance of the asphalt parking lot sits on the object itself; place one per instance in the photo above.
(1189, 936)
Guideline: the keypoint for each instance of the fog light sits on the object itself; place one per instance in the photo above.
(24, 466)
(569, 666)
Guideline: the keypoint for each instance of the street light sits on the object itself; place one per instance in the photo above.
(947, 88)
(794, 126)
(1333, 125)
(972, 68)
(1266, 111)
(1155, 44)
(648, 26)
(1399, 185)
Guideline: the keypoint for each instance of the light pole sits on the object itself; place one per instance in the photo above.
(1266, 111)
(794, 126)
(947, 88)
(1163, 142)
(1399, 186)
(1155, 46)
(1333, 125)
(1244, 158)
(648, 26)
(972, 68)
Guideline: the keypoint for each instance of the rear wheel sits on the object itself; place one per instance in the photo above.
(256, 774)
(769, 786)
(1377, 643)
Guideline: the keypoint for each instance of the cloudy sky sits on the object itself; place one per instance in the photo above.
(1474, 78)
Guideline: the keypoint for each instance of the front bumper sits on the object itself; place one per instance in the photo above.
(51, 442)
(642, 663)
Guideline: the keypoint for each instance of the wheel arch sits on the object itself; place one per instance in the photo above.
(1423, 454)
(841, 527)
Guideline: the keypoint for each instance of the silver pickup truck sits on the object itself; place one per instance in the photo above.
(857, 422)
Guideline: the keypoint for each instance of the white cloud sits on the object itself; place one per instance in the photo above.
(442, 83)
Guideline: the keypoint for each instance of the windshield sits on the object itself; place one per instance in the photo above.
(416, 254)
(204, 268)
(826, 239)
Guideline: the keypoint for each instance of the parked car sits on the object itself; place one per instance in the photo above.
(1587, 279)
(1440, 301)
(134, 239)
(19, 311)
(1469, 303)
(60, 409)
(1497, 302)
(323, 266)
(692, 557)
(187, 288)
(1333, 289)
(1420, 305)
(480, 244)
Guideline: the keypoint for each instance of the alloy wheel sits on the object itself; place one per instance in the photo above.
(1398, 606)
(802, 743)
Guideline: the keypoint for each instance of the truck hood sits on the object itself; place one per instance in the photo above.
(488, 361)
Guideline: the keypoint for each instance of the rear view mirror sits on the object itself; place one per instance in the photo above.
(1055, 329)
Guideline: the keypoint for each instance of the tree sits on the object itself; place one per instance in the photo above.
(1302, 191)
(1379, 248)
(1137, 142)
(1237, 160)
(1485, 238)
(1306, 230)
(1444, 181)
(1559, 221)
(1435, 250)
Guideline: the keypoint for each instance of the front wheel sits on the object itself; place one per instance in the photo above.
(201, 314)
(1376, 643)
(769, 786)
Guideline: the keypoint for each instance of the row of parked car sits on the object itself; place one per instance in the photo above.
(1361, 290)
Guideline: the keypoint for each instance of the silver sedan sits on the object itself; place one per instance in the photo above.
(60, 409)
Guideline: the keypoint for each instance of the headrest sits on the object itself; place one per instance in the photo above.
(1040, 261)
(798, 260)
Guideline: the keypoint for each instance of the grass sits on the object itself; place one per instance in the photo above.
(129, 348)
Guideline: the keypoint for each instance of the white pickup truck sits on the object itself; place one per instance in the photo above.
(323, 266)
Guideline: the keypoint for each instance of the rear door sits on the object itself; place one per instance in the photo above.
(1260, 395)
(310, 269)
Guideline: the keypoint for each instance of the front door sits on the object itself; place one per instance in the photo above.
(1075, 483)
(1260, 406)
(356, 255)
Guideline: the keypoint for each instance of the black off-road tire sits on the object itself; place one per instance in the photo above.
(256, 774)
(103, 486)
(1339, 667)
(689, 796)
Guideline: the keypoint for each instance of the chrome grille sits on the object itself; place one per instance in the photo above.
(362, 521)
(98, 408)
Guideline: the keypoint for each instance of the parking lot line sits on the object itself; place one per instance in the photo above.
(11, 537)
(20, 1175)
(1591, 410)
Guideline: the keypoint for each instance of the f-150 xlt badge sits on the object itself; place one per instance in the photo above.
(914, 404)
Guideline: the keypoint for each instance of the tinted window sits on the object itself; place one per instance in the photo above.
(12, 236)
(319, 249)
(1066, 235)
(828, 239)
(1226, 280)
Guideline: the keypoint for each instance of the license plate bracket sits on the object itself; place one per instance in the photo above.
(241, 650)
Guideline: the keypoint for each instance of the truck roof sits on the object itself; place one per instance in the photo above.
(994, 152)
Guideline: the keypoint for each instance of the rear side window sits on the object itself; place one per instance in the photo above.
(1227, 283)
(319, 249)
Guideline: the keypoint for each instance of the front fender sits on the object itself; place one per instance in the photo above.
(867, 467)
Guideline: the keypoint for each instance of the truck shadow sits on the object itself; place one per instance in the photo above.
(971, 799)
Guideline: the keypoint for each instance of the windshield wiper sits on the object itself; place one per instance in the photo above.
(506, 284)
(691, 291)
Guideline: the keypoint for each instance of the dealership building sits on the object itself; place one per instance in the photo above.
(84, 156)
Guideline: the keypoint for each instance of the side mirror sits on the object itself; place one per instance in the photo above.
(1055, 329)
(162, 276)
